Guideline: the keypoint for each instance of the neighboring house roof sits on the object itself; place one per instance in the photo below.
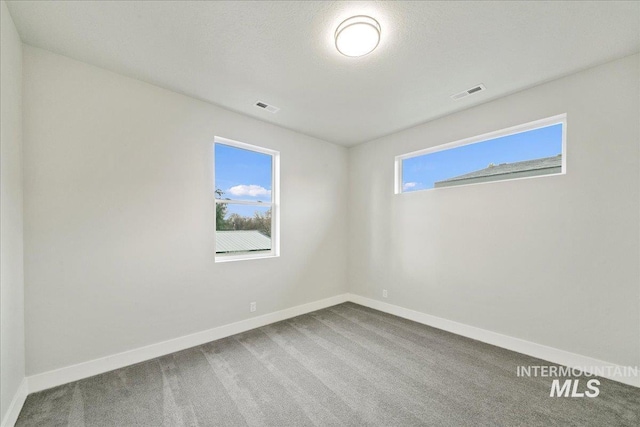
(241, 241)
(509, 168)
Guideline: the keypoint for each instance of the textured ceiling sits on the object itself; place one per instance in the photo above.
(234, 53)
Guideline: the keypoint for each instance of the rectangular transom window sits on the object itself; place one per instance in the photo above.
(246, 181)
(524, 151)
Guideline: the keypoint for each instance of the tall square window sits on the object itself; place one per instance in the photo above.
(529, 150)
(246, 181)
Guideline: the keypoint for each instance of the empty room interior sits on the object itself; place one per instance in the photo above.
(320, 213)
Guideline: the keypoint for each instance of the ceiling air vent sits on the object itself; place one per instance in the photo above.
(475, 89)
(265, 106)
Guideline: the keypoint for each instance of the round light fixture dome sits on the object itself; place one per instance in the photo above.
(357, 36)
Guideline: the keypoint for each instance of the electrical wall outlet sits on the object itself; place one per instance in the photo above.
(252, 307)
(384, 293)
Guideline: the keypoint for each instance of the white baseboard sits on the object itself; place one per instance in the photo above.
(529, 348)
(90, 368)
(72, 373)
(15, 407)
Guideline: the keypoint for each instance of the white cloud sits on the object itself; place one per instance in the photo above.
(408, 185)
(249, 190)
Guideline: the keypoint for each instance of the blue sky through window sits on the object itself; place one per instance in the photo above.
(243, 175)
(420, 173)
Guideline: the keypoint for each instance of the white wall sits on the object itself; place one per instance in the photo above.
(119, 215)
(119, 219)
(11, 266)
(552, 260)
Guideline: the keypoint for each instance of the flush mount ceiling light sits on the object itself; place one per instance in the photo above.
(357, 36)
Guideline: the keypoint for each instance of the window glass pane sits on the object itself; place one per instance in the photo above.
(242, 174)
(242, 228)
(530, 153)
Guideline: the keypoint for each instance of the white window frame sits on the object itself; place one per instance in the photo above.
(274, 204)
(537, 124)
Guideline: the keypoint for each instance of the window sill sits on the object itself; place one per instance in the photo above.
(244, 257)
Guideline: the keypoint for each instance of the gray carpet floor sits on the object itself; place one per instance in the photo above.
(342, 366)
